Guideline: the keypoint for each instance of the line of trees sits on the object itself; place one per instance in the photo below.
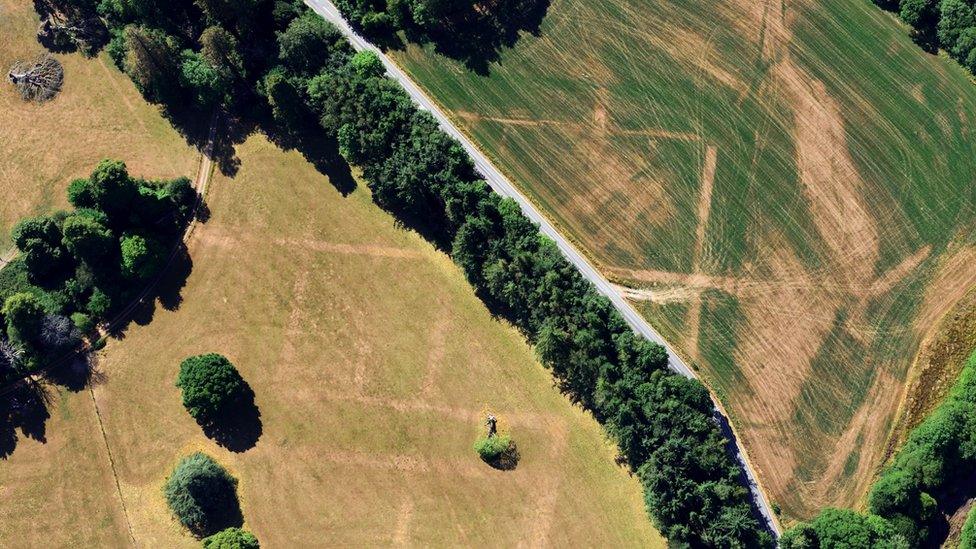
(77, 267)
(300, 68)
(941, 24)
(928, 477)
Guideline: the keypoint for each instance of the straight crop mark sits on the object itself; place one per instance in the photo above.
(704, 210)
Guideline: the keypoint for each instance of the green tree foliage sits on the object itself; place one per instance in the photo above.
(141, 257)
(491, 448)
(220, 49)
(231, 538)
(366, 64)
(843, 528)
(152, 62)
(310, 44)
(209, 84)
(239, 16)
(202, 495)
(39, 239)
(76, 265)
(87, 239)
(968, 538)
(24, 316)
(211, 386)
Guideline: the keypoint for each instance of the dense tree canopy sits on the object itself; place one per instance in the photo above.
(75, 266)
(211, 386)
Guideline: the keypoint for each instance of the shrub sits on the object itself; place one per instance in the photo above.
(203, 495)
(231, 538)
(211, 386)
(491, 449)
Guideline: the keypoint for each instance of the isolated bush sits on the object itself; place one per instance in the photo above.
(211, 386)
(492, 448)
(231, 538)
(202, 495)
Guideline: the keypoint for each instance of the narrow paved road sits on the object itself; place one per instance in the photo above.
(501, 185)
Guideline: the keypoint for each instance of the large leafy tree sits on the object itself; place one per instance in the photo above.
(203, 495)
(152, 62)
(211, 386)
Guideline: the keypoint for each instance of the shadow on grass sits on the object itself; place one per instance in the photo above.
(24, 409)
(239, 427)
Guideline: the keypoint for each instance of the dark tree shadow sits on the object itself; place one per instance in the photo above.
(166, 288)
(220, 505)
(23, 407)
(238, 428)
(477, 37)
(732, 448)
(75, 372)
(304, 134)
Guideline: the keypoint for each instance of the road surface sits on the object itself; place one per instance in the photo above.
(501, 185)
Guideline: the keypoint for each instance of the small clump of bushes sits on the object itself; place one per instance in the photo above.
(491, 449)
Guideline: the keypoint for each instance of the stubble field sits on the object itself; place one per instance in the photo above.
(785, 190)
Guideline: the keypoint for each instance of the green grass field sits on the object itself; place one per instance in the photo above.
(372, 363)
(789, 187)
(98, 114)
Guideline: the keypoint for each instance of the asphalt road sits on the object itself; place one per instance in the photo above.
(501, 185)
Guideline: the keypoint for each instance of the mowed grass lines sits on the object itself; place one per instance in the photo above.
(800, 270)
(372, 362)
(98, 114)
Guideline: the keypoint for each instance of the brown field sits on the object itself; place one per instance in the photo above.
(98, 114)
(372, 363)
(784, 189)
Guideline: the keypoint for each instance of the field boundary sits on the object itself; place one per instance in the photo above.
(111, 462)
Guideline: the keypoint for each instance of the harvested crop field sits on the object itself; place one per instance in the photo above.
(98, 114)
(785, 189)
(372, 364)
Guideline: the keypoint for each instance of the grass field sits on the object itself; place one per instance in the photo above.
(372, 363)
(785, 189)
(98, 114)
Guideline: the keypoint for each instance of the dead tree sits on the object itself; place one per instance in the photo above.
(38, 80)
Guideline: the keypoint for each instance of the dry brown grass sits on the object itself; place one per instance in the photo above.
(98, 114)
(371, 371)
